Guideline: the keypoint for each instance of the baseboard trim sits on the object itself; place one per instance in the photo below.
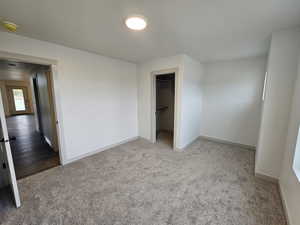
(283, 202)
(187, 145)
(285, 208)
(99, 150)
(249, 147)
(267, 178)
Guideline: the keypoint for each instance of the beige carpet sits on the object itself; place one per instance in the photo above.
(144, 183)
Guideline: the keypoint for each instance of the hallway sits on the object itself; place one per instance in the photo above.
(31, 153)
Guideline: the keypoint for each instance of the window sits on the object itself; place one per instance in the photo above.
(19, 99)
(296, 164)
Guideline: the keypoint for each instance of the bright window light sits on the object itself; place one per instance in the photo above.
(19, 99)
(136, 23)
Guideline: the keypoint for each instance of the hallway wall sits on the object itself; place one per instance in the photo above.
(47, 123)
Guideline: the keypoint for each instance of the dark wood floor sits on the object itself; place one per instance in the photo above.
(31, 153)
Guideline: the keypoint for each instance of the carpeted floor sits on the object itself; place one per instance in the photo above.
(144, 183)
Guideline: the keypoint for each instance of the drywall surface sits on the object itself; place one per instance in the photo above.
(290, 186)
(191, 101)
(232, 102)
(282, 71)
(97, 94)
(145, 85)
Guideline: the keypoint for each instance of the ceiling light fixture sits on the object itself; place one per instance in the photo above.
(10, 26)
(136, 22)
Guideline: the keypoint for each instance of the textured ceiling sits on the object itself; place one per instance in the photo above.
(204, 29)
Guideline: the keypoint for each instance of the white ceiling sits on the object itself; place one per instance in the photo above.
(205, 29)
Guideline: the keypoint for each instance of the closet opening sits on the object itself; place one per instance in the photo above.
(165, 108)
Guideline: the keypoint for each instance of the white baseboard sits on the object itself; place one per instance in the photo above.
(250, 147)
(187, 145)
(267, 178)
(99, 150)
(285, 207)
(275, 180)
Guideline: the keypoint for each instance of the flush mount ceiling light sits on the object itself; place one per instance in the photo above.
(136, 22)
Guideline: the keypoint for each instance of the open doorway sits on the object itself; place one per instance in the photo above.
(165, 99)
(164, 108)
(29, 110)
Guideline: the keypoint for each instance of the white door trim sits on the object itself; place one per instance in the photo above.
(176, 105)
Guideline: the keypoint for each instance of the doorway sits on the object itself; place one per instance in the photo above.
(30, 118)
(164, 108)
(8, 181)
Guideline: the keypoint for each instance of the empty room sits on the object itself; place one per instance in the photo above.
(150, 112)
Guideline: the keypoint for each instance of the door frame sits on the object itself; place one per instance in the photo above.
(56, 99)
(154, 74)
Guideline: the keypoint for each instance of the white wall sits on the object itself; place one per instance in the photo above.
(98, 95)
(282, 72)
(232, 92)
(290, 186)
(189, 100)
